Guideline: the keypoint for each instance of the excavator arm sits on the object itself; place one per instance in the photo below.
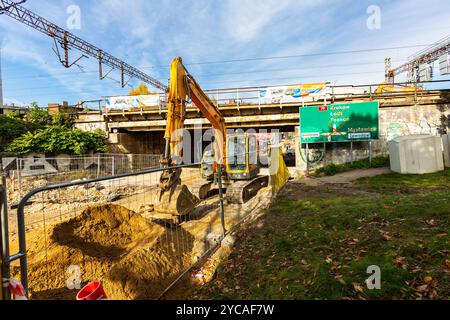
(173, 197)
(184, 88)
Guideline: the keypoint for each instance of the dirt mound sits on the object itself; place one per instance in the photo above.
(133, 257)
(103, 231)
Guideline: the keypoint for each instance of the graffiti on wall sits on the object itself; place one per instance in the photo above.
(404, 123)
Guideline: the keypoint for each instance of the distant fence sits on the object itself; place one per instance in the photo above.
(27, 173)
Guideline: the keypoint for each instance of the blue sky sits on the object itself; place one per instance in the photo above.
(149, 33)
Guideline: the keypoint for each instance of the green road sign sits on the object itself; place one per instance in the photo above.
(340, 123)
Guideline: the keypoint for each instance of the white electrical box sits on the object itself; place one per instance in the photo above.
(446, 143)
(416, 154)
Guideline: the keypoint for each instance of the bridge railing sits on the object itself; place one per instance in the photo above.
(248, 96)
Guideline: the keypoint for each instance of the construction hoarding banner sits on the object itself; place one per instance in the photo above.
(128, 102)
(340, 123)
(294, 93)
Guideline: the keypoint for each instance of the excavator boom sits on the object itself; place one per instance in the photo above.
(174, 198)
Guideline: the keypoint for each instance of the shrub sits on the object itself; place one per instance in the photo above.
(57, 140)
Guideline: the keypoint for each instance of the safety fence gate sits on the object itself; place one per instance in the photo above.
(66, 235)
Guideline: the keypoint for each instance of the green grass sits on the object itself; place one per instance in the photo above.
(395, 181)
(320, 248)
(333, 169)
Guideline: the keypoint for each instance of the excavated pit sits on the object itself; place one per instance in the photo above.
(133, 257)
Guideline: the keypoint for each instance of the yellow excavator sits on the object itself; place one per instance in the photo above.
(236, 154)
(386, 87)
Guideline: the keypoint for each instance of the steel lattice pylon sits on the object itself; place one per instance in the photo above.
(68, 41)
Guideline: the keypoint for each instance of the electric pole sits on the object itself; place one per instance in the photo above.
(1, 81)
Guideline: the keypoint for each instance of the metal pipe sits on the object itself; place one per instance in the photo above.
(167, 149)
(4, 237)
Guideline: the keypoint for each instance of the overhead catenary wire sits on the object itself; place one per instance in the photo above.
(199, 75)
(284, 57)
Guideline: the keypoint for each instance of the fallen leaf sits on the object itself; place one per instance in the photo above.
(431, 222)
(385, 235)
(416, 269)
(432, 294)
(401, 262)
(358, 287)
(428, 279)
(340, 279)
(422, 288)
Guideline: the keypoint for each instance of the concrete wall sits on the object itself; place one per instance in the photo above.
(91, 122)
(137, 143)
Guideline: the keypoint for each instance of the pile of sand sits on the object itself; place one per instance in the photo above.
(133, 257)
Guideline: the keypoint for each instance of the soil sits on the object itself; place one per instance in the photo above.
(109, 243)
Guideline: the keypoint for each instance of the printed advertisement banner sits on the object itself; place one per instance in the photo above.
(128, 102)
(295, 93)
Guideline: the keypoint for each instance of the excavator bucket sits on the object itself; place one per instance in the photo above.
(178, 201)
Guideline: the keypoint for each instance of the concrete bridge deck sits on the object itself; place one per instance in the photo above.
(249, 115)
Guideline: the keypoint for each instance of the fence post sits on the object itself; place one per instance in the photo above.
(307, 158)
(19, 174)
(415, 91)
(98, 165)
(4, 241)
(351, 152)
(222, 208)
(113, 162)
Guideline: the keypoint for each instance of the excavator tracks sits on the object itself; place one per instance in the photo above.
(204, 190)
(240, 192)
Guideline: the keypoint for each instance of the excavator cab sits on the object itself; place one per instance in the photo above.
(207, 165)
(242, 156)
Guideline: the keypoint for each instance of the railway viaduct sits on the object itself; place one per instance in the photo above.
(140, 131)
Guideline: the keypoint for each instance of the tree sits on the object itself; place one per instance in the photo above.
(37, 117)
(63, 118)
(11, 127)
(142, 89)
(58, 140)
